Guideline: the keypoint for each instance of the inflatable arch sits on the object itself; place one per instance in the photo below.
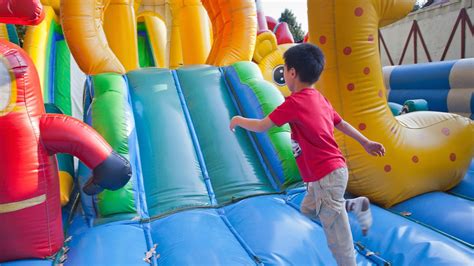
(90, 41)
(153, 40)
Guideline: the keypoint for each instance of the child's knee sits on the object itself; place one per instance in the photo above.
(310, 206)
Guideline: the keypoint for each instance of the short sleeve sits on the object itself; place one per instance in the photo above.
(336, 117)
(284, 113)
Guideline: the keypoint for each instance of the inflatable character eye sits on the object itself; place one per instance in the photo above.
(6, 92)
(278, 75)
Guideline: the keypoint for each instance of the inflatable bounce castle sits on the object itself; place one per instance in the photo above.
(142, 93)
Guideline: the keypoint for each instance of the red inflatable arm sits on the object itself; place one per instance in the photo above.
(65, 134)
(24, 12)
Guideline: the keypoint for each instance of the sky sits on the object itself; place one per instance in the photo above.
(274, 8)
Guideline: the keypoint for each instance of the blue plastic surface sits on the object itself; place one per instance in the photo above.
(429, 81)
(472, 107)
(232, 162)
(444, 212)
(466, 187)
(395, 108)
(250, 107)
(121, 243)
(404, 242)
(83, 172)
(134, 157)
(79, 223)
(428, 76)
(437, 99)
(171, 172)
(12, 34)
(197, 146)
(197, 237)
(279, 234)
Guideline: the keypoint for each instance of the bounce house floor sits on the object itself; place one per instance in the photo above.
(270, 230)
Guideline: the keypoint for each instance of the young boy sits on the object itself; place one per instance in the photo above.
(312, 120)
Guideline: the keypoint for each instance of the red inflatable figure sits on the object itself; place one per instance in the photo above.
(30, 211)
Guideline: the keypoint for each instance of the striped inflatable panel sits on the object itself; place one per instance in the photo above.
(8, 32)
(447, 86)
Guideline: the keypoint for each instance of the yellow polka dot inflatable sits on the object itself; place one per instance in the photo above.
(426, 151)
(269, 57)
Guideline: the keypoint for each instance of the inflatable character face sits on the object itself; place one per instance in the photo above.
(7, 93)
(269, 57)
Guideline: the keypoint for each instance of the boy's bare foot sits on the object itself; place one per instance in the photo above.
(361, 207)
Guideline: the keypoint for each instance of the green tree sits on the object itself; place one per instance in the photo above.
(295, 27)
(21, 30)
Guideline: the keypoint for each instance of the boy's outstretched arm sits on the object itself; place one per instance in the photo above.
(255, 125)
(372, 147)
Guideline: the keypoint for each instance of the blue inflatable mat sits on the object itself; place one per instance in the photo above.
(466, 187)
(447, 213)
(401, 241)
(279, 234)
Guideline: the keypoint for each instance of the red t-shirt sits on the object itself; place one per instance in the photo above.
(312, 119)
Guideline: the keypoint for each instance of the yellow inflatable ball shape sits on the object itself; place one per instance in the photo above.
(269, 58)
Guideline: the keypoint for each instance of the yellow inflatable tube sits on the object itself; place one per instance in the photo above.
(157, 35)
(66, 183)
(37, 45)
(175, 44)
(194, 31)
(82, 27)
(4, 32)
(55, 4)
(426, 151)
(235, 24)
(121, 30)
(163, 10)
(215, 17)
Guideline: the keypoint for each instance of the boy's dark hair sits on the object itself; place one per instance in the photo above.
(307, 60)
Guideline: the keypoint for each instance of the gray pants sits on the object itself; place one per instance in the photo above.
(325, 199)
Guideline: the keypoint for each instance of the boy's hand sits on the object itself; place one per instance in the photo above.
(234, 122)
(374, 148)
